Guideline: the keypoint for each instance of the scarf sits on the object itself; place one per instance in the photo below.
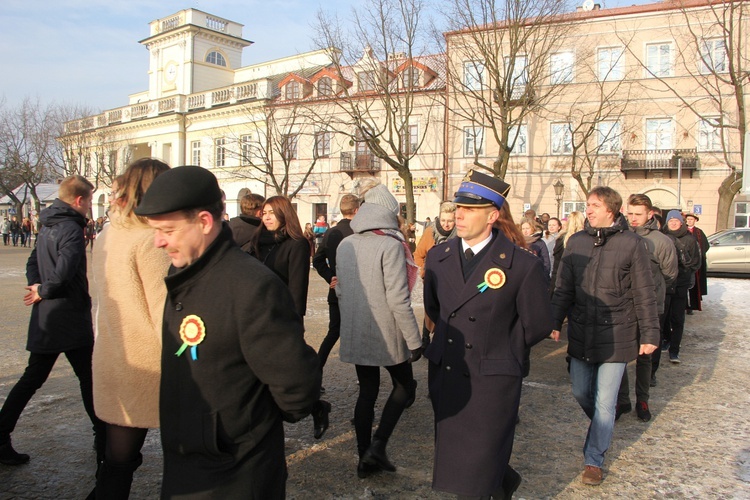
(439, 234)
(411, 267)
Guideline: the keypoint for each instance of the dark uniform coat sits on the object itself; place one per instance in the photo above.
(221, 414)
(476, 359)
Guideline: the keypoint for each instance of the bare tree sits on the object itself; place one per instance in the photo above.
(500, 71)
(388, 91)
(27, 146)
(711, 49)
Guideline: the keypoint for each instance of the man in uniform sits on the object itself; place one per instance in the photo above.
(234, 360)
(489, 301)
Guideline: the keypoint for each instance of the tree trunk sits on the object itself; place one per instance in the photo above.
(728, 189)
(406, 176)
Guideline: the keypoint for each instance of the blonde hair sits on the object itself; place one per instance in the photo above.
(133, 183)
(575, 224)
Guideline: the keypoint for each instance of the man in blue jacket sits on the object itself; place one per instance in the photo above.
(58, 292)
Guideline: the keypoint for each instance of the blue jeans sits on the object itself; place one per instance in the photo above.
(595, 387)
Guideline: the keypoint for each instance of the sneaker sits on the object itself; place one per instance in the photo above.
(641, 409)
(665, 346)
(9, 456)
(653, 381)
(620, 409)
(674, 358)
(592, 475)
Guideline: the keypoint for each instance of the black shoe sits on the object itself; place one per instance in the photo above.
(365, 470)
(674, 358)
(322, 390)
(412, 395)
(511, 482)
(653, 381)
(375, 455)
(320, 418)
(9, 456)
(621, 409)
(641, 409)
(689, 312)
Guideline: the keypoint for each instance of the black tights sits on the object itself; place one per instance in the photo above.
(124, 443)
(364, 412)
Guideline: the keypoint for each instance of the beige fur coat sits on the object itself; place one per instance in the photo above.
(130, 294)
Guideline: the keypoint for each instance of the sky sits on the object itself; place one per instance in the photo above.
(86, 52)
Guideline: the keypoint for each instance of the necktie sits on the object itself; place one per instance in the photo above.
(469, 253)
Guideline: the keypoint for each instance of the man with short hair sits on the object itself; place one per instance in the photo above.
(244, 225)
(664, 271)
(324, 261)
(234, 361)
(58, 291)
(606, 290)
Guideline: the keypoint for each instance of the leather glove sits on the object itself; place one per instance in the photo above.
(416, 354)
(425, 340)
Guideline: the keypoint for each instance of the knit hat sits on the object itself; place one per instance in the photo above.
(379, 195)
(674, 214)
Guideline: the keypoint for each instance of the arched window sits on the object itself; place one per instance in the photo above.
(216, 58)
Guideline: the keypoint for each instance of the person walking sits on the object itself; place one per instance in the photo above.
(696, 294)
(606, 289)
(15, 230)
(6, 231)
(575, 223)
(489, 302)
(58, 294)
(247, 223)
(376, 274)
(234, 361)
(128, 276)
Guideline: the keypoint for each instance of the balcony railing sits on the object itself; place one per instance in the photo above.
(359, 162)
(658, 159)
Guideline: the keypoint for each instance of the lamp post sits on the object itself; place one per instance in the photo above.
(559, 187)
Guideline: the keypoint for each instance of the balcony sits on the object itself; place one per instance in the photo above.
(352, 162)
(648, 163)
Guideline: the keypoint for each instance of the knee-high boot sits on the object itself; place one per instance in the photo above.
(115, 479)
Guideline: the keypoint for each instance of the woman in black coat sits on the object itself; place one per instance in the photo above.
(282, 247)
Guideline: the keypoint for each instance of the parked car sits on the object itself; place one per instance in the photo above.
(729, 251)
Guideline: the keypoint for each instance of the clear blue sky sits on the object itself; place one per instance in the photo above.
(87, 52)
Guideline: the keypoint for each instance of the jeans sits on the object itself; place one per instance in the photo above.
(595, 387)
(36, 373)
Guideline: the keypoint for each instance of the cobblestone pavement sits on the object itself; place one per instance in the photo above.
(696, 446)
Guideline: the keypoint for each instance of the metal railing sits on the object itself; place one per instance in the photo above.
(352, 161)
(659, 159)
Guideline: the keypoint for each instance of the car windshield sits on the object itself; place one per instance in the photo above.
(731, 238)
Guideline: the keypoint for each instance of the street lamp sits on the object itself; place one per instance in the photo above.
(559, 187)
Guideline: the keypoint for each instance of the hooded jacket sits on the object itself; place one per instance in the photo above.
(688, 255)
(61, 321)
(606, 289)
(663, 258)
(243, 228)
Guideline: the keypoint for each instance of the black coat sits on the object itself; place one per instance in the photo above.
(290, 260)
(62, 320)
(221, 414)
(243, 228)
(688, 257)
(605, 277)
(476, 358)
(324, 260)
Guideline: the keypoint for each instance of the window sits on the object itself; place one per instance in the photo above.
(561, 67)
(609, 137)
(325, 86)
(216, 58)
(195, 153)
(573, 206)
(411, 77)
(473, 141)
(562, 139)
(289, 146)
(291, 90)
(322, 144)
(473, 75)
(410, 139)
(519, 133)
(659, 59)
(709, 135)
(658, 133)
(742, 214)
(247, 149)
(518, 70)
(221, 151)
(713, 56)
(366, 81)
(610, 62)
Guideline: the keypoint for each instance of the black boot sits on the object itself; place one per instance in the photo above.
(320, 412)
(375, 455)
(412, 394)
(115, 479)
(9, 456)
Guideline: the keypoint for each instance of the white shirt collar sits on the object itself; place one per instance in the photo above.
(478, 247)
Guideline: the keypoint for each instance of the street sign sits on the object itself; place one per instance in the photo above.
(526, 206)
(698, 209)
(12, 211)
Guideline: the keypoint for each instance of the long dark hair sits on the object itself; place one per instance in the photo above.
(288, 221)
(505, 224)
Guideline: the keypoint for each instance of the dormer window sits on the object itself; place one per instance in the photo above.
(325, 86)
(366, 81)
(216, 58)
(291, 91)
(411, 77)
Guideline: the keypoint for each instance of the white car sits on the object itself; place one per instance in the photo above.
(729, 251)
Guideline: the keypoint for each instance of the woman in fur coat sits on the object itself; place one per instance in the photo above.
(129, 276)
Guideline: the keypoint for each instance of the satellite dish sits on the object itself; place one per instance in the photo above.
(588, 5)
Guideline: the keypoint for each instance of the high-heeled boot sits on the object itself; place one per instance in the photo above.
(375, 455)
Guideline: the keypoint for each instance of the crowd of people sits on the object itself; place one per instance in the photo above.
(220, 378)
